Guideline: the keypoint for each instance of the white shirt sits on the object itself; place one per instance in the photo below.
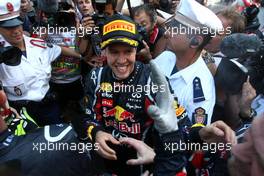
(183, 83)
(30, 79)
(258, 104)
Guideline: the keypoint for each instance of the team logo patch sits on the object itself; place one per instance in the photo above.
(179, 111)
(120, 114)
(107, 102)
(18, 91)
(10, 7)
(107, 87)
(199, 116)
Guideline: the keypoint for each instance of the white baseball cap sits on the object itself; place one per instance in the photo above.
(9, 13)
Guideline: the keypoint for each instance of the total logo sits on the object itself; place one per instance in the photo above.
(120, 114)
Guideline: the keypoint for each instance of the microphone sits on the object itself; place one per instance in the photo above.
(239, 45)
(48, 6)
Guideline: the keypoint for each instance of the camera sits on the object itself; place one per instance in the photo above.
(143, 36)
(165, 5)
(59, 16)
(99, 18)
(63, 17)
(255, 65)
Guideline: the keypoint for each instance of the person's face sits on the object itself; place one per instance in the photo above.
(13, 35)
(24, 5)
(176, 41)
(144, 20)
(121, 59)
(85, 6)
(214, 45)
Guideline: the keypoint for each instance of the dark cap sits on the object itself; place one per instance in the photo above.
(231, 76)
(120, 29)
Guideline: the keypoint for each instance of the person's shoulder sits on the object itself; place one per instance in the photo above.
(203, 70)
(165, 57)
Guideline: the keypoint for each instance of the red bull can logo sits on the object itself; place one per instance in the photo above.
(120, 114)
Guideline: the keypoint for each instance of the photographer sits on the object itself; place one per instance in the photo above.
(92, 19)
(66, 71)
(146, 17)
(233, 22)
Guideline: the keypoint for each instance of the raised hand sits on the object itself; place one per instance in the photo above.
(163, 113)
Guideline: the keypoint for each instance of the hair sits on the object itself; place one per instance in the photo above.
(206, 40)
(238, 21)
(149, 10)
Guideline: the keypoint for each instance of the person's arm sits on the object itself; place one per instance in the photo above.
(93, 119)
(218, 132)
(87, 24)
(70, 52)
(166, 161)
(119, 5)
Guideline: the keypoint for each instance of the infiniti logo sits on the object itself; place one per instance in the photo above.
(136, 95)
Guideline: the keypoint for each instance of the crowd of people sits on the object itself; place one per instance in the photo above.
(112, 87)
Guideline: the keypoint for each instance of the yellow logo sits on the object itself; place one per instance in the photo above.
(106, 87)
(119, 25)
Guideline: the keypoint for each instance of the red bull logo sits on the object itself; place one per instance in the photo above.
(120, 114)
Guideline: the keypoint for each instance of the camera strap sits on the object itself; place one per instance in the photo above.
(130, 9)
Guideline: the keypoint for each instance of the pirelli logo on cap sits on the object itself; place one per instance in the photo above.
(119, 25)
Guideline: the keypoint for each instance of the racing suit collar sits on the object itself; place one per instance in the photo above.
(131, 77)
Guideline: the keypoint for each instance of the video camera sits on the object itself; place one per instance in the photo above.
(248, 50)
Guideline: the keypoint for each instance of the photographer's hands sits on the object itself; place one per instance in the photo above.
(88, 22)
